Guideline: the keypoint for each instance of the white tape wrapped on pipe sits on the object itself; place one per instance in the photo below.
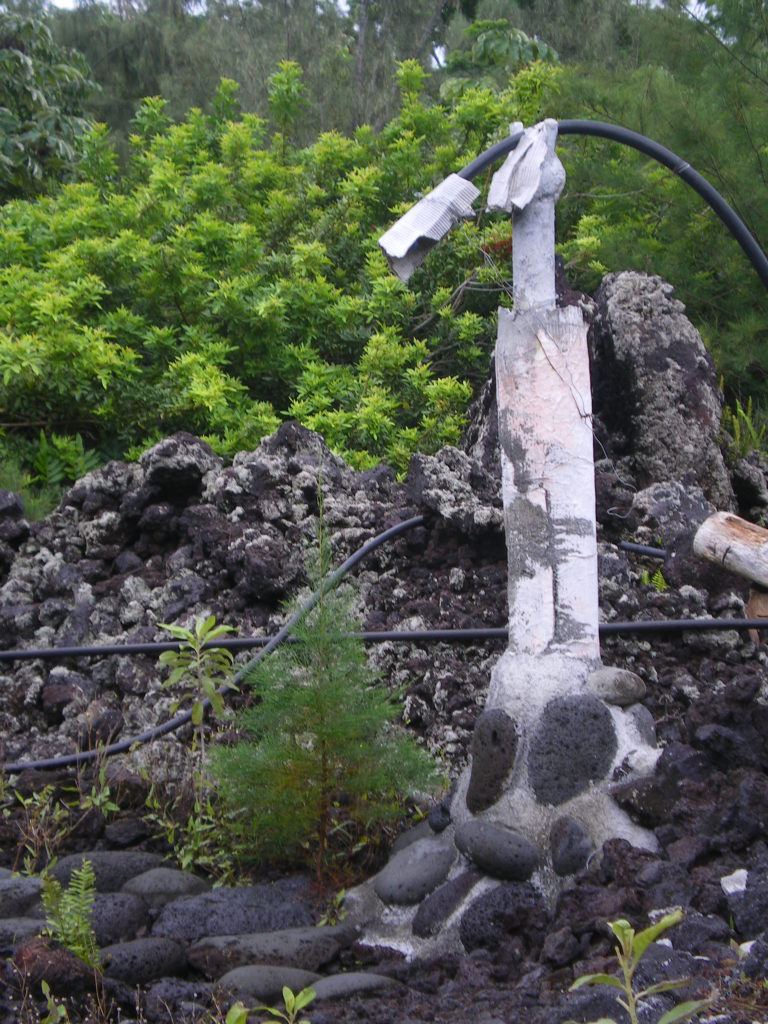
(409, 240)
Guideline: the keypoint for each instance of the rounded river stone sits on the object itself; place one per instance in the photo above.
(574, 744)
(494, 745)
(570, 844)
(414, 872)
(500, 852)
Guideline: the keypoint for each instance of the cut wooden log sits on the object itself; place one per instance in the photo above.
(734, 544)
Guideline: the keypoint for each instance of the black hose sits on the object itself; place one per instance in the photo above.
(328, 584)
(642, 549)
(664, 156)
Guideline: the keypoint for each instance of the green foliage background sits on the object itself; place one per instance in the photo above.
(223, 272)
(229, 279)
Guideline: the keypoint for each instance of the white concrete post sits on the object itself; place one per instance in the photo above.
(545, 409)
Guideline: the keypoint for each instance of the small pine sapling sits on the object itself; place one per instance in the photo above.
(322, 749)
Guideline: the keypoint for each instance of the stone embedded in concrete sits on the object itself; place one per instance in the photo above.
(499, 851)
(414, 872)
(494, 746)
(574, 744)
(438, 907)
(263, 983)
(421, 831)
(644, 722)
(570, 845)
(439, 816)
(616, 686)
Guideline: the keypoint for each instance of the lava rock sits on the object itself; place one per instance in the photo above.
(570, 844)
(414, 872)
(118, 917)
(493, 748)
(500, 852)
(750, 907)
(305, 948)
(143, 960)
(435, 910)
(255, 908)
(560, 947)
(653, 378)
(339, 986)
(159, 886)
(165, 999)
(176, 466)
(14, 929)
(258, 982)
(573, 745)
(756, 962)
(439, 816)
(112, 868)
(18, 895)
(511, 908)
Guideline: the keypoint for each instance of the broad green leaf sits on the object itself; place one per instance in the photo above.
(684, 1010)
(597, 979)
(663, 986)
(644, 938)
(304, 998)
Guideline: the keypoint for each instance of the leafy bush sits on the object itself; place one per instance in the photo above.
(229, 280)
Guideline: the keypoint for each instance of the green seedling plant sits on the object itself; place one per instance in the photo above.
(294, 1004)
(631, 948)
(57, 1012)
(203, 670)
(43, 826)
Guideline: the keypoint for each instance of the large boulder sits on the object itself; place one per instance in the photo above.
(655, 384)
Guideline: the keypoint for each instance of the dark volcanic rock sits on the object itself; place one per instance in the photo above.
(256, 908)
(573, 745)
(493, 748)
(570, 844)
(513, 908)
(654, 380)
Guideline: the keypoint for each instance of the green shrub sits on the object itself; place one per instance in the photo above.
(229, 279)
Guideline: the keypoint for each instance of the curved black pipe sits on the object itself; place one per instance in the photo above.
(328, 584)
(616, 133)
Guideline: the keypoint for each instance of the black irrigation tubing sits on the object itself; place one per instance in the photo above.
(616, 133)
(328, 584)
(247, 643)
